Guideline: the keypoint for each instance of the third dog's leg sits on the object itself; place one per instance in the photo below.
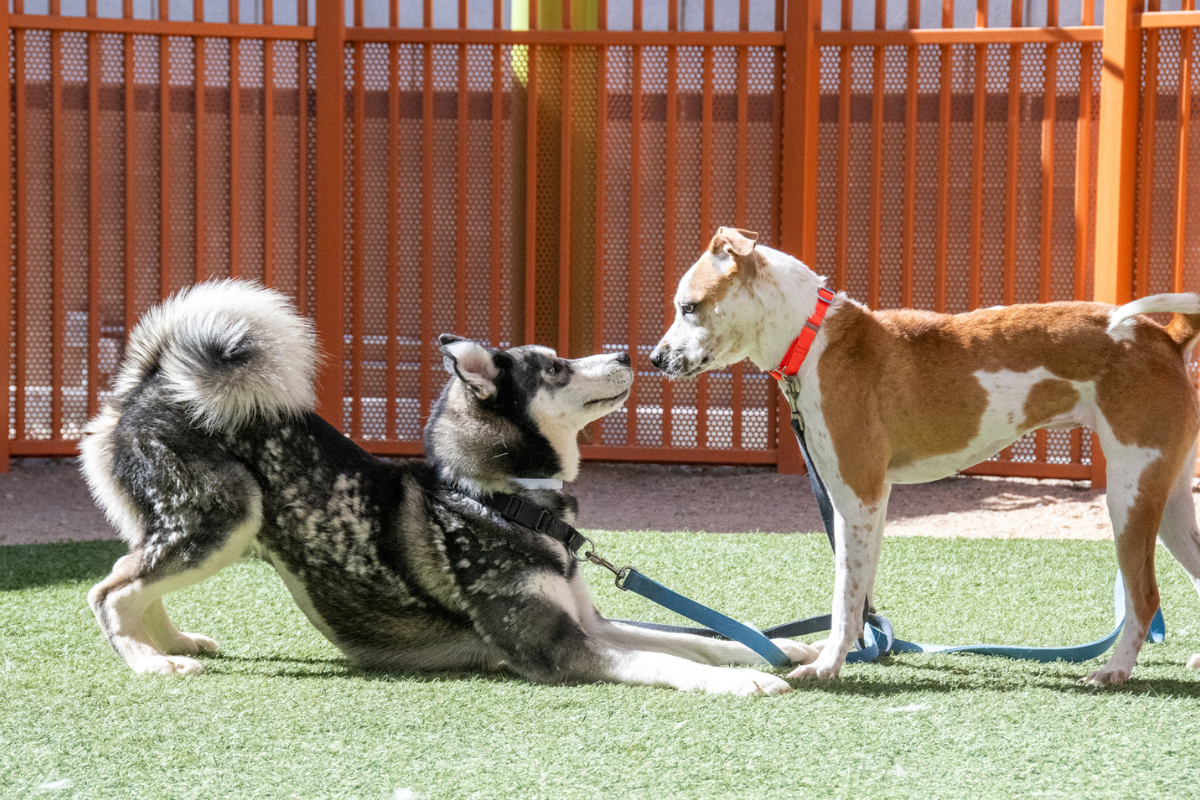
(1138, 487)
(858, 534)
(1179, 533)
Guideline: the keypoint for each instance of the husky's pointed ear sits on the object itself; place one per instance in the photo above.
(471, 363)
(734, 240)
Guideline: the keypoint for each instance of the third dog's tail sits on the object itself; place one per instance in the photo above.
(1184, 326)
(231, 351)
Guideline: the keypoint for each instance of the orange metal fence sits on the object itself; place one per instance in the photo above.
(552, 184)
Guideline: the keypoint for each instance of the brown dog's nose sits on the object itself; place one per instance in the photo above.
(659, 358)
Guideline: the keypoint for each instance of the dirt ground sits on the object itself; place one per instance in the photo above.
(46, 500)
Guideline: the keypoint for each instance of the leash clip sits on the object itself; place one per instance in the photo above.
(600, 561)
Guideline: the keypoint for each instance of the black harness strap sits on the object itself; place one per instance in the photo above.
(529, 514)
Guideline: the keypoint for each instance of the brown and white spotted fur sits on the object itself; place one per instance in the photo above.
(210, 451)
(909, 396)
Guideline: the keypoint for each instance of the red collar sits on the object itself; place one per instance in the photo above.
(794, 357)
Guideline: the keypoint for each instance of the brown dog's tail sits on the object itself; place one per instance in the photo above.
(1184, 326)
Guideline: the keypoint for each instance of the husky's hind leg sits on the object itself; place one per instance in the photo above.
(169, 638)
(128, 603)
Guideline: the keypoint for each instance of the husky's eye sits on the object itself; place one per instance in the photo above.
(553, 368)
(687, 308)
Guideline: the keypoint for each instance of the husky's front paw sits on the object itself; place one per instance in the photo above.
(188, 644)
(1194, 661)
(168, 665)
(746, 683)
(1106, 677)
(798, 652)
(823, 668)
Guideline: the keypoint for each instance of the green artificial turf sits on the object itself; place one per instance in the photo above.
(280, 714)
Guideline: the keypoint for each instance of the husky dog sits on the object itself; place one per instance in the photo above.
(210, 451)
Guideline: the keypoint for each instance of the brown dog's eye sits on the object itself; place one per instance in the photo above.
(687, 308)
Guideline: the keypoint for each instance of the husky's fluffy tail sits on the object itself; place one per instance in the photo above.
(231, 351)
(1184, 326)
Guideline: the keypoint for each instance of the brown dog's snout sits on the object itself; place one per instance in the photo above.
(659, 357)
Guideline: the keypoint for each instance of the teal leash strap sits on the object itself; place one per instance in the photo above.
(1073, 653)
(728, 627)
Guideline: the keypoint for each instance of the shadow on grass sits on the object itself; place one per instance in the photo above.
(950, 678)
(981, 676)
(24, 566)
(341, 668)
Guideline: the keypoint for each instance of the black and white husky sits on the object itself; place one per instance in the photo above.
(210, 451)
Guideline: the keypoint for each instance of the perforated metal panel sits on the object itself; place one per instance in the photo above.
(209, 170)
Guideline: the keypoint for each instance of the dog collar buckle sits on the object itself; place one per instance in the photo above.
(799, 348)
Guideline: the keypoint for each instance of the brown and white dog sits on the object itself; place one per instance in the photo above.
(909, 396)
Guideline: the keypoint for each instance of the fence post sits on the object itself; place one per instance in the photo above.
(798, 220)
(1116, 178)
(5, 235)
(330, 189)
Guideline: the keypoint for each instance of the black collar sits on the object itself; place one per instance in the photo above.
(528, 514)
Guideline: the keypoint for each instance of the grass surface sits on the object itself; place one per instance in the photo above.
(280, 714)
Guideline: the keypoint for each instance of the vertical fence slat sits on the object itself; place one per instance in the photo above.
(268, 199)
(302, 55)
(875, 226)
(57, 267)
(706, 220)
(426, 383)
(1012, 154)
(740, 202)
(330, 198)
(93, 331)
(842, 199)
(798, 215)
(392, 305)
(497, 132)
(531, 120)
(357, 271)
(164, 175)
(1116, 175)
(460, 210)
(20, 307)
(198, 42)
(978, 127)
(598, 316)
(908, 224)
(942, 223)
(635, 242)
(6, 233)
(669, 217)
(564, 207)
(235, 156)
(1083, 160)
(1145, 206)
(130, 179)
(1049, 120)
(1181, 187)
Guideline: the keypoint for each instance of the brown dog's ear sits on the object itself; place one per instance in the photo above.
(735, 240)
